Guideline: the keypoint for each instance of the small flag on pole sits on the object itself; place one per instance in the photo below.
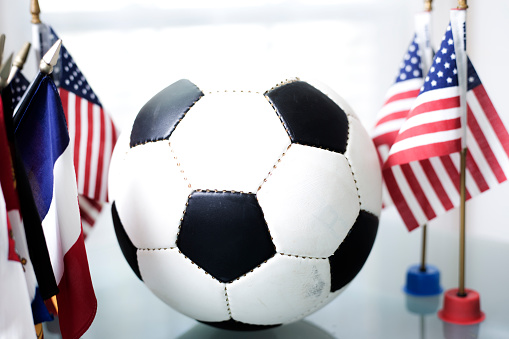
(402, 94)
(422, 168)
(43, 144)
(91, 130)
(15, 314)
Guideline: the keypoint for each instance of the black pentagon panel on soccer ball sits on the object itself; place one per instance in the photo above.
(225, 233)
(161, 114)
(238, 326)
(310, 116)
(353, 252)
(126, 245)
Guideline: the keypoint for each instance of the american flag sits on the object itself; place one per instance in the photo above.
(92, 132)
(422, 170)
(18, 86)
(402, 94)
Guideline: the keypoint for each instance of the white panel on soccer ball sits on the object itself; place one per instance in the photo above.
(361, 154)
(239, 82)
(184, 286)
(309, 201)
(153, 197)
(116, 174)
(282, 290)
(229, 141)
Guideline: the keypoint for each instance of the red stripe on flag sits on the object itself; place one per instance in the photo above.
(418, 192)
(100, 160)
(403, 95)
(399, 200)
(486, 150)
(77, 304)
(64, 97)
(77, 135)
(476, 173)
(436, 105)
(433, 127)
(436, 184)
(453, 173)
(424, 152)
(385, 139)
(87, 217)
(393, 116)
(493, 117)
(90, 135)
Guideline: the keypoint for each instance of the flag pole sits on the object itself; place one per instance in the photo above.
(461, 306)
(423, 280)
(462, 5)
(35, 10)
(5, 69)
(427, 5)
(19, 61)
(427, 8)
(2, 45)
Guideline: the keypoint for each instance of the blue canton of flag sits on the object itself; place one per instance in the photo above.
(443, 72)
(411, 67)
(67, 75)
(73, 80)
(18, 86)
(473, 78)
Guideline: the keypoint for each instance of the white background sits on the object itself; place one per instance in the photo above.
(131, 49)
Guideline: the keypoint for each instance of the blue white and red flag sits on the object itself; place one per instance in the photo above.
(43, 144)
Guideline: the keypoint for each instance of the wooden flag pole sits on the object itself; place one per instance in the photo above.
(35, 10)
(423, 252)
(462, 5)
(427, 8)
(427, 5)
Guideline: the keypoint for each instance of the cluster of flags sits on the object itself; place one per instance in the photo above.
(55, 144)
(431, 114)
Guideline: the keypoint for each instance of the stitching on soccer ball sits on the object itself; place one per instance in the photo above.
(282, 83)
(233, 91)
(227, 301)
(273, 168)
(178, 122)
(157, 249)
(277, 113)
(351, 169)
(304, 256)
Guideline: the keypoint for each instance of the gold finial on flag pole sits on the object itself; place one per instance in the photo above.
(19, 60)
(462, 4)
(4, 72)
(50, 58)
(427, 5)
(35, 10)
(2, 44)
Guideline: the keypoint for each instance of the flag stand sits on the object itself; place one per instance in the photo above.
(461, 305)
(423, 280)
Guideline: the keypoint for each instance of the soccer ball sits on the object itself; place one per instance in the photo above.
(246, 209)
